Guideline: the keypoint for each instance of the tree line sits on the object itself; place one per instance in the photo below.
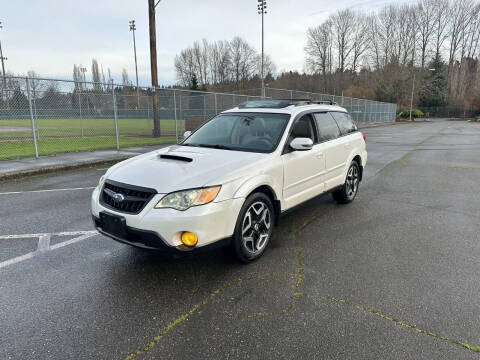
(372, 55)
(228, 65)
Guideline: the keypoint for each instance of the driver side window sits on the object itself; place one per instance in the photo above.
(303, 128)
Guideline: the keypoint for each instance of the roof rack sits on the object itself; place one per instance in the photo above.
(282, 103)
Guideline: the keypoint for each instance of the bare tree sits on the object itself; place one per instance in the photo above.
(360, 39)
(342, 25)
(459, 16)
(244, 60)
(185, 66)
(77, 77)
(200, 57)
(96, 77)
(220, 62)
(426, 26)
(36, 85)
(319, 43)
(441, 9)
(387, 17)
(375, 40)
(125, 80)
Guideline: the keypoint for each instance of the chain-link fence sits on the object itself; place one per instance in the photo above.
(45, 117)
(457, 112)
(362, 111)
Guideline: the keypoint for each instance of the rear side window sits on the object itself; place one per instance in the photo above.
(326, 126)
(345, 122)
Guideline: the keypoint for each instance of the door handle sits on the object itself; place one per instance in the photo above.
(319, 155)
(347, 145)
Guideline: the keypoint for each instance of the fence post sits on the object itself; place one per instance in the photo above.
(80, 107)
(204, 107)
(216, 109)
(115, 117)
(35, 145)
(175, 112)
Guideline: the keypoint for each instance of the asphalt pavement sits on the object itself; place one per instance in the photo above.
(394, 275)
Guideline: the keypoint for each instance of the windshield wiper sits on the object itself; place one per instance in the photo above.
(216, 146)
(193, 145)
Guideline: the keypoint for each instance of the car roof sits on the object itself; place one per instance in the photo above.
(291, 110)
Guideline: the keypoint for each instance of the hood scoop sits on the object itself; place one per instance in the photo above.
(176, 158)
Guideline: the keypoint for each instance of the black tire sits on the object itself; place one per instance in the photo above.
(347, 193)
(249, 250)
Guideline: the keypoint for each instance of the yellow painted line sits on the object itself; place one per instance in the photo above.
(396, 321)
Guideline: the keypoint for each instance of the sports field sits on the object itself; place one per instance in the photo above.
(60, 135)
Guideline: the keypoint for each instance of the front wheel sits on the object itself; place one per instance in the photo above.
(254, 227)
(347, 193)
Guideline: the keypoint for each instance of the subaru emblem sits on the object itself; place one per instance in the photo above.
(118, 198)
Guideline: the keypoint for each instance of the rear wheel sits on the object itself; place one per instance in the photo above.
(347, 193)
(254, 227)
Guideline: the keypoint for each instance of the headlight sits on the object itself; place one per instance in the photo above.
(183, 200)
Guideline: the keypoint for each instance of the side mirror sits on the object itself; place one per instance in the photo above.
(186, 134)
(301, 144)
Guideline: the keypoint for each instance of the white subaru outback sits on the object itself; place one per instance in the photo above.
(229, 181)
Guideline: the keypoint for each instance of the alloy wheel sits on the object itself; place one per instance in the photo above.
(352, 181)
(256, 227)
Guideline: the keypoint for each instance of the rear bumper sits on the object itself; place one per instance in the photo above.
(151, 241)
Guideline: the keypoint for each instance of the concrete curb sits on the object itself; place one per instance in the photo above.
(58, 168)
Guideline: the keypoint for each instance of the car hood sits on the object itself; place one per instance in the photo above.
(180, 167)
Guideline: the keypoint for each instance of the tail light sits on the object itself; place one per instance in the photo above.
(364, 137)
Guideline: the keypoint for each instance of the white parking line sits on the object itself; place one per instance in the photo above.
(48, 190)
(72, 241)
(66, 233)
(44, 244)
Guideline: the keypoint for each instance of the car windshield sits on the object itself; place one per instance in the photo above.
(254, 132)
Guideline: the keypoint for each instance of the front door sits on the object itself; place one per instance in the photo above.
(303, 170)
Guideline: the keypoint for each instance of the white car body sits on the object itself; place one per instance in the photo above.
(291, 178)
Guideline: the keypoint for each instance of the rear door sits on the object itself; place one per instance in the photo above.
(329, 138)
(345, 145)
(303, 170)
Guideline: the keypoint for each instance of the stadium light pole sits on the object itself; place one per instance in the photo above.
(262, 9)
(153, 64)
(3, 70)
(132, 29)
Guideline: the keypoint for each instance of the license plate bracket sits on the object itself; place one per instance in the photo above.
(113, 224)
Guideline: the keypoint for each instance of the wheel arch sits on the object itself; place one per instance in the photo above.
(268, 191)
(358, 159)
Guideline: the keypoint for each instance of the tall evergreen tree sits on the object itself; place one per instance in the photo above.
(433, 92)
(194, 83)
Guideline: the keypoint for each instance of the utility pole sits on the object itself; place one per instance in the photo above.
(3, 71)
(133, 28)
(413, 91)
(262, 9)
(153, 64)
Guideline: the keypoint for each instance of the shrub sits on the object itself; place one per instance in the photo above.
(415, 114)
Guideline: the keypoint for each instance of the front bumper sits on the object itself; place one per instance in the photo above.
(151, 241)
(161, 229)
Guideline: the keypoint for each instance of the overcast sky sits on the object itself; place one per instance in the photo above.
(49, 36)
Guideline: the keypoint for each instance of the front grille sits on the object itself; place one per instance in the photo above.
(125, 198)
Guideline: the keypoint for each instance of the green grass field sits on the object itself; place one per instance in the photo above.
(61, 135)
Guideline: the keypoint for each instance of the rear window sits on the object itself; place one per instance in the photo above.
(326, 126)
(345, 122)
